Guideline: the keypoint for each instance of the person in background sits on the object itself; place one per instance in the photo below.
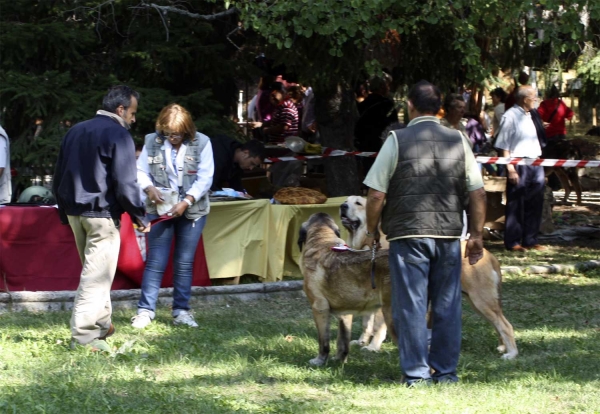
(297, 96)
(5, 184)
(177, 158)
(554, 113)
(423, 175)
(511, 98)
(308, 121)
(94, 183)
(498, 98)
(454, 111)
(231, 158)
(264, 107)
(376, 112)
(518, 137)
(285, 119)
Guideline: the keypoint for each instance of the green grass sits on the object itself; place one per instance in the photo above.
(253, 358)
(573, 252)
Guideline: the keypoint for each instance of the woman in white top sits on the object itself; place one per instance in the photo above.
(175, 170)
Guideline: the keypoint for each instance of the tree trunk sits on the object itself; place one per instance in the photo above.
(336, 115)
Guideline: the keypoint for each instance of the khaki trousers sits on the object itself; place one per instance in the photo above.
(98, 241)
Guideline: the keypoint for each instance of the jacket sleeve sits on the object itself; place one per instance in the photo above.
(568, 111)
(205, 173)
(56, 180)
(124, 176)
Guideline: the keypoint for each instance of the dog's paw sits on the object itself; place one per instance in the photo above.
(358, 342)
(501, 349)
(370, 348)
(510, 355)
(317, 362)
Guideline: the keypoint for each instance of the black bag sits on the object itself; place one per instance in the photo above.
(539, 127)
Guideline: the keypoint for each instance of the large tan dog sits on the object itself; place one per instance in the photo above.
(338, 283)
(481, 284)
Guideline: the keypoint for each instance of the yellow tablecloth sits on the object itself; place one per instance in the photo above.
(256, 237)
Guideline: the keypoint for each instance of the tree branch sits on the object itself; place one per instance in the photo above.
(166, 9)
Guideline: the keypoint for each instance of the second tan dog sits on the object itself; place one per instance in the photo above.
(338, 283)
(481, 284)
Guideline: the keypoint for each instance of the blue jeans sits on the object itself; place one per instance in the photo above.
(187, 235)
(422, 270)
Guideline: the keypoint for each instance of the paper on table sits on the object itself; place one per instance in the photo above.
(170, 197)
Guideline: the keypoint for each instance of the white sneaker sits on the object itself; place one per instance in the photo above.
(185, 318)
(141, 320)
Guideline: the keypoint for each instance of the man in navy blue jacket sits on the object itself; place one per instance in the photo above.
(94, 183)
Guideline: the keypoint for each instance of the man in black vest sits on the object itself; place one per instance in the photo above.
(426, 173)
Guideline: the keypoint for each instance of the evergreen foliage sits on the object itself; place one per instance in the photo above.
(60, 57)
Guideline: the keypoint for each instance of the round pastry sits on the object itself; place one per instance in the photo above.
(299, 195)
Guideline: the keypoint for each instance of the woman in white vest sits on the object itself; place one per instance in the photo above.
(175, 170)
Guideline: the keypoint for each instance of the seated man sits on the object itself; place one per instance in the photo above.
(231, 158)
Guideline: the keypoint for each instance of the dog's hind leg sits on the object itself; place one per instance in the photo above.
(344, 334)
(367, 324)
(564, 182)
(574, 179)
(320, 309)
(488, 305)
(379, 332)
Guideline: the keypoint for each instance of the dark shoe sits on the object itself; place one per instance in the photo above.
(517, 248)
(109, 333)
(537, 247)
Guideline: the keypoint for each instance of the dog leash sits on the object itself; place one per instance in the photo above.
(346, 248)
(373, 264)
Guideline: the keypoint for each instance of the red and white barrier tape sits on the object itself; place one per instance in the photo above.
(539, 162)
(330, 152)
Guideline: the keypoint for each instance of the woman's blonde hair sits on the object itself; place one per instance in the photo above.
(175, 118)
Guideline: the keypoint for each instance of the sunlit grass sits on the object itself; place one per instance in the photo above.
(253, 358)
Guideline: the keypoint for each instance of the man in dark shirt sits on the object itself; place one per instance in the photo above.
(232, 158)
(94, 183)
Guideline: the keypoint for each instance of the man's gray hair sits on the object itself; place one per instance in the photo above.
(524, 92)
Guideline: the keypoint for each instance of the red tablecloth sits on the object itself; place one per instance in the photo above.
(38, 253)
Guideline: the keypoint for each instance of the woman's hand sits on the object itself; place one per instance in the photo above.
(154, 195)
(178, 209)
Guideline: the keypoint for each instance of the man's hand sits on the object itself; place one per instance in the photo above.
(154, 195)
(513, 177)
(178, 209)
(474, 249)
(370, 240)
(143, 228)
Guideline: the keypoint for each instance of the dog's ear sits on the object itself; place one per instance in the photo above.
(302, 235)
(333, 226)
(337, 232)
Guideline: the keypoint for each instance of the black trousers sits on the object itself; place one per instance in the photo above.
(524, 204)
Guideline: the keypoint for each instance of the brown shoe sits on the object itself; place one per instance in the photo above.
(517, 248)
(537, 247)
(109, 333)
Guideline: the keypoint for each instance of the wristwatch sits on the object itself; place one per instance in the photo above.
(369, 234)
